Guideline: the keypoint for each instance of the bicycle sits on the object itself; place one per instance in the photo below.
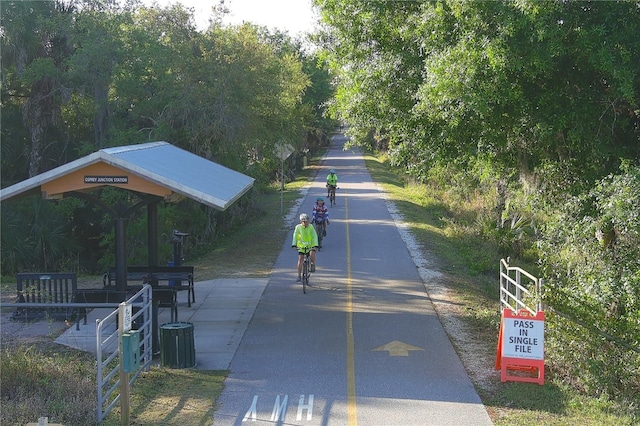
(306, 268)
(320, 231)
(332, 195)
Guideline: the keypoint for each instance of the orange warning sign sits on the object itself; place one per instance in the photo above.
(521, 346)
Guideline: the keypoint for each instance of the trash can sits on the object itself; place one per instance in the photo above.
(177, 346)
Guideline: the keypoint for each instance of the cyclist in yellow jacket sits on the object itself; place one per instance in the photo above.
(305, 238)
(332, 181)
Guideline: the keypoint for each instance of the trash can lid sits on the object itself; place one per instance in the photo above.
(176, 325)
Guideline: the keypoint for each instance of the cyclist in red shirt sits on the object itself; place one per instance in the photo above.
(320, 214)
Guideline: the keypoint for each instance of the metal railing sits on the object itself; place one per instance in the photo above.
(516, 294)
(107, 350)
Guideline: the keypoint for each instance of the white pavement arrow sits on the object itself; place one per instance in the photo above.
(397, 348)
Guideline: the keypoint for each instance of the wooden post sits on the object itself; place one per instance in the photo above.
(124, 325)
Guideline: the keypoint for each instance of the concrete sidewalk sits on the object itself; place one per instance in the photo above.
(220, 316)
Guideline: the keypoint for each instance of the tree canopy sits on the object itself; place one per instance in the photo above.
(524, 83)
(78, 76)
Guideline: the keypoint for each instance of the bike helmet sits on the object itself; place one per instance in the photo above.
(304, 217)
(332, 171)
(319, 199)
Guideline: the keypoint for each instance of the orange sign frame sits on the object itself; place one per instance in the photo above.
(529, 368)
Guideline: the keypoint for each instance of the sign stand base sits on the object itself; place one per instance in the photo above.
(528, 372)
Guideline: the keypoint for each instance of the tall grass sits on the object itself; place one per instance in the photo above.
(46, 380)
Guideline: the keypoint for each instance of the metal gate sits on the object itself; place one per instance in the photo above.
(519, 289)
(107, 350)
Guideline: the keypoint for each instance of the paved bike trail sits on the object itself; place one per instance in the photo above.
(364, 345)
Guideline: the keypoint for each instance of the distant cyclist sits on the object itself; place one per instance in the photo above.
(305, 237)
(320, 214)
(332, 181)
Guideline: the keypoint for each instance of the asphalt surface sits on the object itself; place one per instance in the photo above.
(364, 345)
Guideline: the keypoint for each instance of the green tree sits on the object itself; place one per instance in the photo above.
(35, 45)
(376, 65)
(98, 50)
(523, 83)
(591, 259)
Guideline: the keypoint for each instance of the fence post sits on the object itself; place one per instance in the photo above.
(518, 288)
(124, 325)
(539, 290)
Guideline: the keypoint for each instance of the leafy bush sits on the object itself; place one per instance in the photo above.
(590, 255)
(35, 236)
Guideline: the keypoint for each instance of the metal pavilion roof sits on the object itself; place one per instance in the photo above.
(156, 168)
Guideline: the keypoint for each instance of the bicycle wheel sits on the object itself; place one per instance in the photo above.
(332, 197)
(319, 229)
(305, 275)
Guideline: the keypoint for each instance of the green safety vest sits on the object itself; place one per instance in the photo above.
(304, 237)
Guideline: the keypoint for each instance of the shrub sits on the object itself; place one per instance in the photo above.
(590, 255)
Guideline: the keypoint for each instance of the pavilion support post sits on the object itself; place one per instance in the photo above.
(152, 231)
(121, 254)
(152, 236)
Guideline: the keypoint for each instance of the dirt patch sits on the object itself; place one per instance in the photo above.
(30, 332)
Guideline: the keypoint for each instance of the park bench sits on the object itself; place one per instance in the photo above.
(96, 295)
(164, 297)
(171, 277)
(167, 298)
(52, 288)
(134, 274)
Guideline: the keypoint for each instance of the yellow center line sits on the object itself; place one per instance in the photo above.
(352, 419)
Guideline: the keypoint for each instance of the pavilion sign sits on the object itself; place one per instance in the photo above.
(106, 180)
